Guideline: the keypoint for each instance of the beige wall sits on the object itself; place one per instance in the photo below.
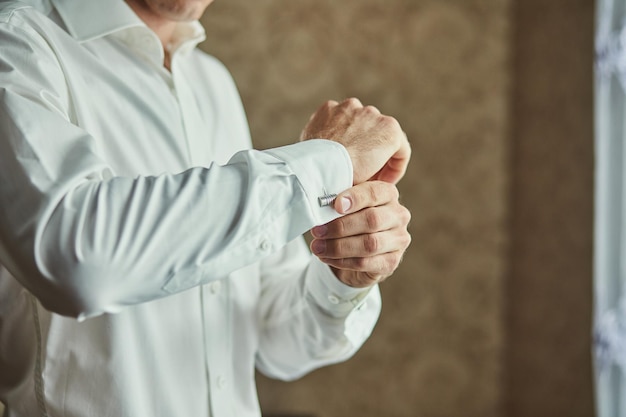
(442, 68)
(489, 312)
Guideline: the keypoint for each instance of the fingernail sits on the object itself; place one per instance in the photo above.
(320, 231)
(346, 203)
(318, 246)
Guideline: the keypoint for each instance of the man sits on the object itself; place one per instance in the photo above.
(151, 260)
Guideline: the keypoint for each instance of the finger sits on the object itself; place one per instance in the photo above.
(330, 104)
(368, 220)
(366, 194)
(363, 245)
(372, 110)
(375, 266)
(324, 108)
(352, 102)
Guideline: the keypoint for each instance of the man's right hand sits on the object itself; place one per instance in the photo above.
(377, 146)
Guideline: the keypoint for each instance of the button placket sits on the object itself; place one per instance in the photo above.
(218, 349)
(193, 123)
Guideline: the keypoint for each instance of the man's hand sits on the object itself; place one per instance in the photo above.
(378, 147)
(365, 246)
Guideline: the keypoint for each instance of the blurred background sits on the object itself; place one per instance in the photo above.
(490, 312)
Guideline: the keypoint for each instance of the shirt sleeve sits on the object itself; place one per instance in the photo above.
(86, 241)
(309, 318)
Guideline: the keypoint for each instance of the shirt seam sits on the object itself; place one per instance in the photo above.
(38, 371)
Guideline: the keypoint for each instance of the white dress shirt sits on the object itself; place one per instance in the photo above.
(149, 259)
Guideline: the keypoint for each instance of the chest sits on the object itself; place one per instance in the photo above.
(147, 121)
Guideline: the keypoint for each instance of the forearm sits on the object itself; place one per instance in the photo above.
(119, 241)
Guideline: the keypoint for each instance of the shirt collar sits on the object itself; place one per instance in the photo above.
(90, 19)
(186, 37)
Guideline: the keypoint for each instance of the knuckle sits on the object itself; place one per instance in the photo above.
(370, 244)
(345, 247)
(373, 190)
(361, 264)
(392, 261)
(341, 263)
(409, 149)
(405, 215)
(353, 102)
(395, 260)
(384, 265)
(332, 247)
(407, 240)
(390, 122)
(372, 219)
(339, 227)
(371, 110)
(393, 192)
(383, 192)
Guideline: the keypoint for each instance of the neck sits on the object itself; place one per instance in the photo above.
(162, 26)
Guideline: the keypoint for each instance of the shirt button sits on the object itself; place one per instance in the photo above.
(265, 246)
(333, 299)
(215, 287)
(221, 382)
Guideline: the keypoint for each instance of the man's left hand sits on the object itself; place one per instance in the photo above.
(366, 245)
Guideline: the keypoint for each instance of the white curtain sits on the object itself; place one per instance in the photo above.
(610, 209)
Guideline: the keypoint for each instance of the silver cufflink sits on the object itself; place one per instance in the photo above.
(326, 199)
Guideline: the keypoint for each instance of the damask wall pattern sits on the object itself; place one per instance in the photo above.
(442, 68)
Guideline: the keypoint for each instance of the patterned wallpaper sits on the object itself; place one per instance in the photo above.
(442, 68)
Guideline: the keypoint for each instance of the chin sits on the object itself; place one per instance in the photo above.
(180, 10)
